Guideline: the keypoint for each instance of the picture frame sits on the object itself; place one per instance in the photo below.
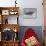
(13, 12)
(10, 19)
(13, 19)
(5, 12)
(30, 13)
(7, 34)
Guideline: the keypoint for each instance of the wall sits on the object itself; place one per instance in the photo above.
(6, 3)
(27, 4)
(32, 22)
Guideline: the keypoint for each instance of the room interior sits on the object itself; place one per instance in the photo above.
(16, 16)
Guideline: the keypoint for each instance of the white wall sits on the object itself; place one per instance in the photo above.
(27, 4)
(33, 22)
(6, 3)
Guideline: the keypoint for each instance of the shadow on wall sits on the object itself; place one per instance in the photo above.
(37, 29)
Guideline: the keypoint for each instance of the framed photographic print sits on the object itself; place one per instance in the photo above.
(6, 34)
(29, 13)
(12, 20)
(5, 12)
(13, 12)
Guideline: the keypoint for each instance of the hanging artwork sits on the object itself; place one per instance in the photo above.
(5, 12)
(29, 13)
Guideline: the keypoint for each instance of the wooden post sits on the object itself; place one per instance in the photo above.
(44, 7)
